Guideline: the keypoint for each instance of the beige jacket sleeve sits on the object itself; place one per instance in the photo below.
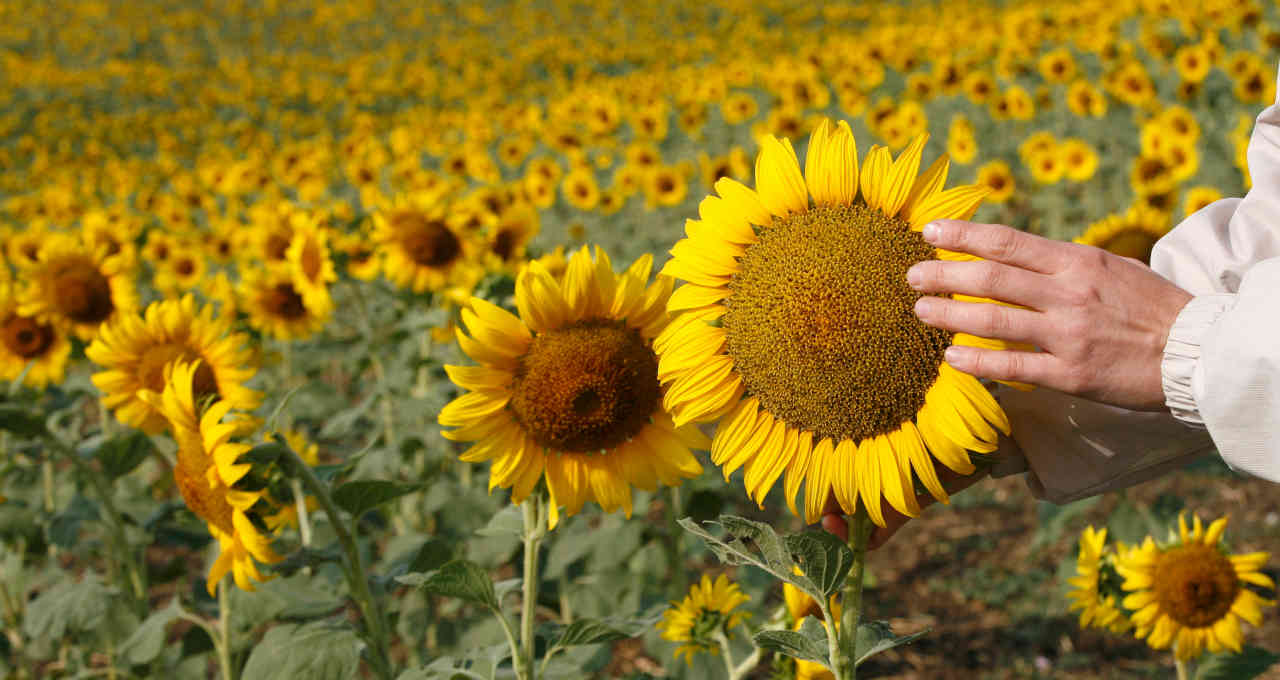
(1221, 367)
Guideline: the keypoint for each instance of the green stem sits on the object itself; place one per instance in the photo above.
(847, 656)
(137, 580)
(535, 527)
(677, 577)
(1181, 667)
(224, 632)
(304, 519)
(726, 652)
(357, 577)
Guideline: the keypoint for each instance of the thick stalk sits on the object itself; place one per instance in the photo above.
(726, 653)
(535, 528)
(304, 520)
(851, 599)
(1181, 667)
(357, 577)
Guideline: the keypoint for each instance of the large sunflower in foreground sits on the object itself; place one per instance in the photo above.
(206, 474)
(134, 352)
(1096, 585)
(1192, 594)
(75, 287)
(796, 329)
(570, 388)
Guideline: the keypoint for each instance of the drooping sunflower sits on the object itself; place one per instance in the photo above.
(24, 340)
(206, 474)
(276, 307)
(569, 390)
(1192, 594)
(710, 607)
(1096, 591)
(796, 329)
(134, 350)
(76, 288)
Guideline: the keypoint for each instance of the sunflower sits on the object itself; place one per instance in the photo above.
(422, 250)
(310, 262)
(25, 341)
(206, 474)
(76, 288)
(570, 388)
(1097, 585)
(1131, 234)
(276, 307)
(709, 608)
(1199, 197)
(134, 351)
(807, 349)
(1191, 593)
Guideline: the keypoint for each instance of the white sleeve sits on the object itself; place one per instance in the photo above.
(1221, 367)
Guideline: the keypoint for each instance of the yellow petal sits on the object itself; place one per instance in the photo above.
(902, 175)
(817, 484)
(778, 179)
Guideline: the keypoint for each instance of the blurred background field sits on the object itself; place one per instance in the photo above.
(421, 153)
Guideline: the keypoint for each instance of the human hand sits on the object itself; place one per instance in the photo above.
(1100, 320)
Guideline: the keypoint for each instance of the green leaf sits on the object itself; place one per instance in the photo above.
(120, 455)
(305, 558)
(20, 421)
(265, 453)
(1249, 663)
(875, 637)
(316, 651)
(808, 643)
(433, 554)
(462, 579)
(589, 632)
(508, 521)
(363, 495)
(753, 543)
(825, 559)
(68, 606)
(147, 641)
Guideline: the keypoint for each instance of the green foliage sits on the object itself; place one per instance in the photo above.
(875, 637)
(808, 643)
(462, 579)
(1250, 663)
(362, 495)
(319, 651)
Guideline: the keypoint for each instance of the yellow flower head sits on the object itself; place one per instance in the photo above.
(76, 288)
(708, 609)
(1096, 590)
(27, 345)
(135, 352)
(795, 329)
(1191, 593)
(569, 390)
(206, 474)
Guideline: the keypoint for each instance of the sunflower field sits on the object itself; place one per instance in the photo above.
(436, 339)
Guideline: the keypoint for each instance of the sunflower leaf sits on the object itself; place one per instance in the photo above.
(825, 559)
(1250, 663)
(362, 495)
(808, 643)
(756, 544)
(20, 421)
(876, 636)
(462, 579)
(120, 455)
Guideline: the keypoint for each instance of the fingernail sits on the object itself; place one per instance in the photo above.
(931, 232)
(955, 354)
(925, 306)
(914, 276)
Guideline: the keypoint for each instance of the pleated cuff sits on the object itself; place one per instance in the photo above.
(1182, 354)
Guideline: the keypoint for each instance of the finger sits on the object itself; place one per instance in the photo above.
(834, 524)
(982, 319)
(1000, 243)
(1037, 368)
(983, 279)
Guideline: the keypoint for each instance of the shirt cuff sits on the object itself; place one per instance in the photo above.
(1182, 354)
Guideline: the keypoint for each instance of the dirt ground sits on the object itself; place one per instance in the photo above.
(989, 580)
